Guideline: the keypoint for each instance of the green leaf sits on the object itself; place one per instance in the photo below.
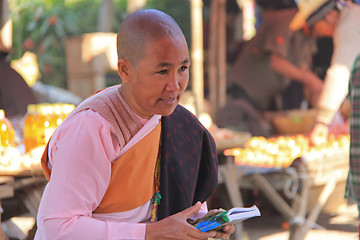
(59, 28)
(44, 27)
(31, 26)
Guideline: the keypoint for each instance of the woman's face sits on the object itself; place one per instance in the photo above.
(325, 27)
(157, 81)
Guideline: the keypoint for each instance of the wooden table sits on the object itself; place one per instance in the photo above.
(6, 191)
(227, 172)
(272, 181)
(25, 185)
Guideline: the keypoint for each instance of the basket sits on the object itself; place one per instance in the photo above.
(293, 122)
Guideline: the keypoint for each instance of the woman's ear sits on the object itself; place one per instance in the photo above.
(124, 67)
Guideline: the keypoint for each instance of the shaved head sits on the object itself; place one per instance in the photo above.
(142, 27)
(153, 62)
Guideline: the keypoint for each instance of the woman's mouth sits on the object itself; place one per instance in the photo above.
(168, 100)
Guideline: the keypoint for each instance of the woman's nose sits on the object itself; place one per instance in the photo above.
(173, 83)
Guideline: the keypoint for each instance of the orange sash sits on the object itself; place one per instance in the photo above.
(132, 175)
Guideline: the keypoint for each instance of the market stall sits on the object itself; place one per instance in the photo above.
(283, 163)
(22, 143)
(6, 191)
(286, 168)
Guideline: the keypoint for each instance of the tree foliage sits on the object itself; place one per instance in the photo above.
(41, 26)
(178, 9)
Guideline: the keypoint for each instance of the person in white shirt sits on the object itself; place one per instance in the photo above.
(341, 20)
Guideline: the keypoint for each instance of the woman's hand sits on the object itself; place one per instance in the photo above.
(176, 227)
(319, 134)
(225, 233)
(313, 82)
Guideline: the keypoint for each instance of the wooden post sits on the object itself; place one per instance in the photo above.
(134, 5)
(6, 191)
(197, 53)
(279, 203)
(105, 17)
(2, 234)
(300, 232)
(231, 182)
(222, 54)
(217, 54)
(212, 61)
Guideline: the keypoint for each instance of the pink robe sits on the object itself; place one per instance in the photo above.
(77, 186)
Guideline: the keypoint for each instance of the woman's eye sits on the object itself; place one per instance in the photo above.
(162, 71)
(183, 68)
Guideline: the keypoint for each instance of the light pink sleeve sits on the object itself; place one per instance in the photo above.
(203, 210)
(81, 151)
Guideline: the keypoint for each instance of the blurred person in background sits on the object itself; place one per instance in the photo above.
(341, 20)
(273, 58)
(15, 94)
(267, 64)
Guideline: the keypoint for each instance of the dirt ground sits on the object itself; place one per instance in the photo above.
(342, 225)
(339, 222)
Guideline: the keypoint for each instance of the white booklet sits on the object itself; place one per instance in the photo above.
(216, 220)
